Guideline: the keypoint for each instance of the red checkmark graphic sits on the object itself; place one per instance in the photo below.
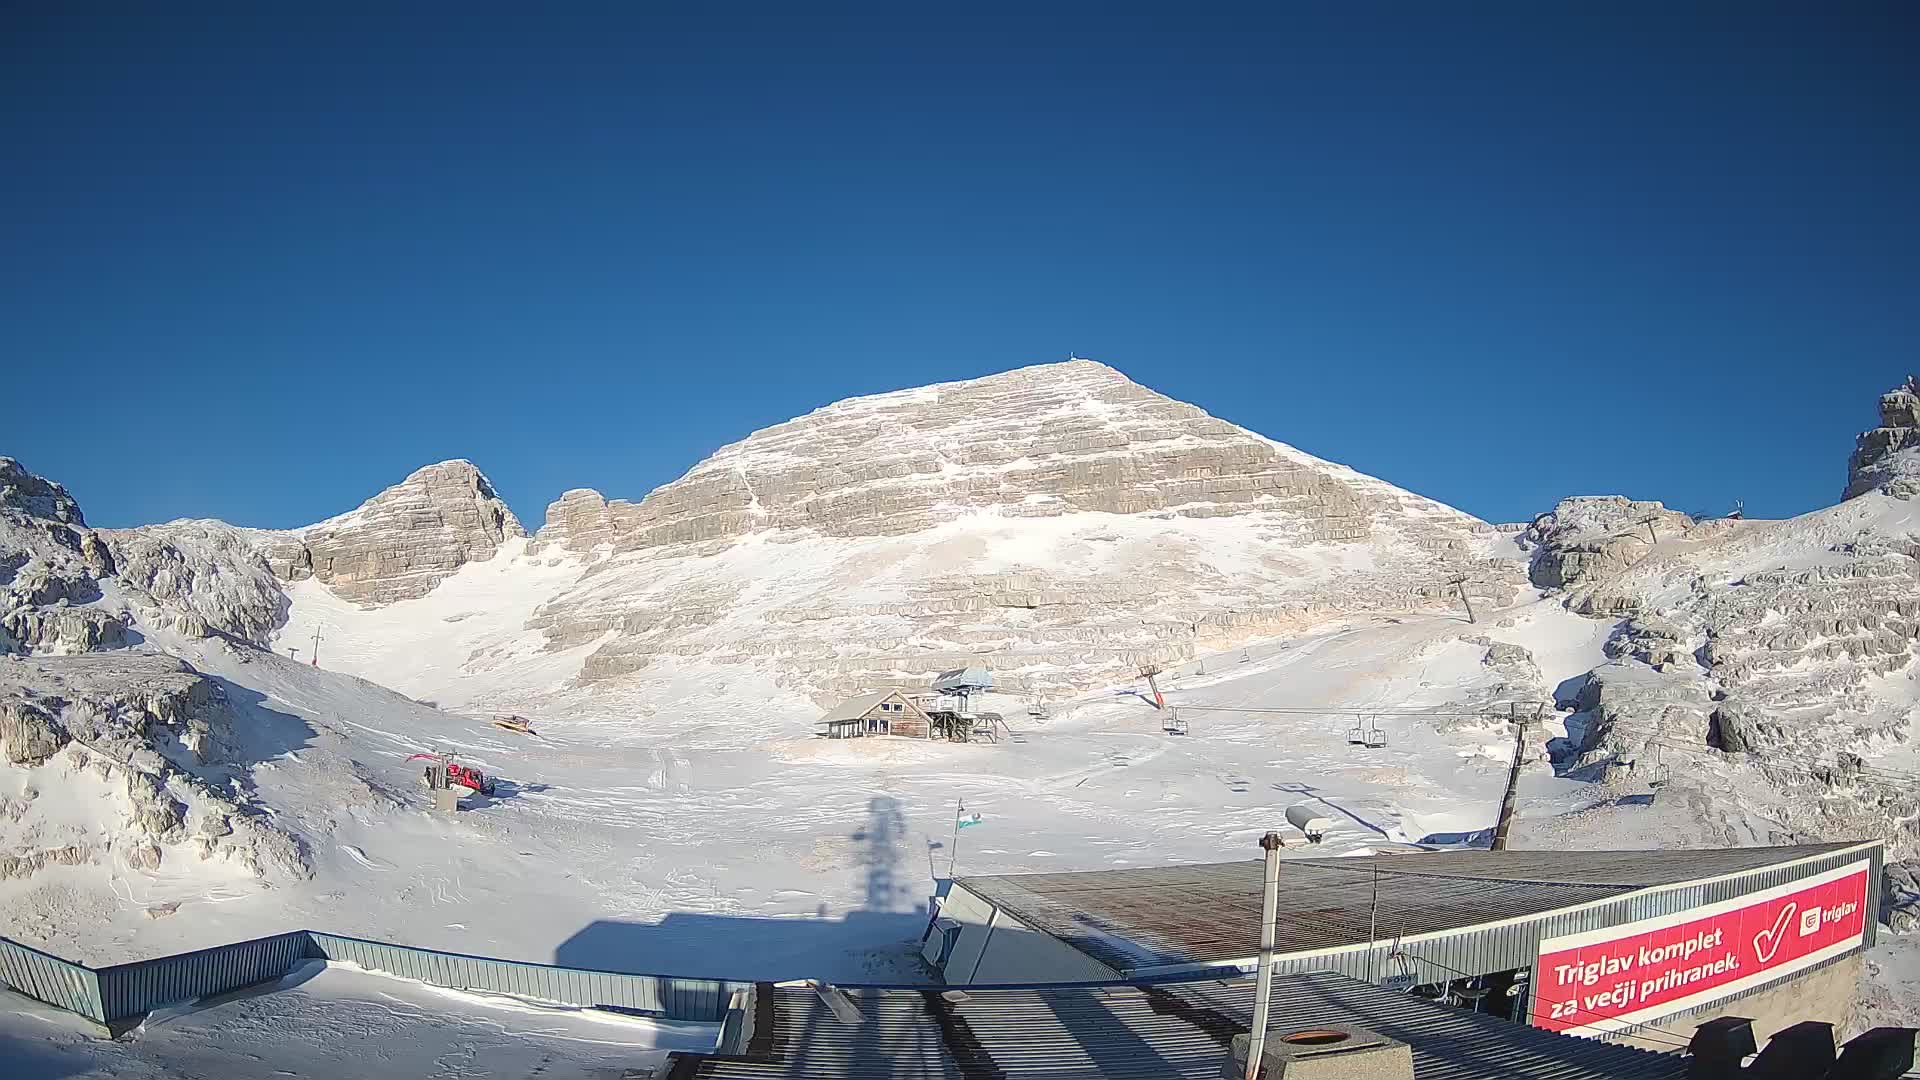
(1767, 942)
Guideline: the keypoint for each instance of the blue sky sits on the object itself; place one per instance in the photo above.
(258, 267)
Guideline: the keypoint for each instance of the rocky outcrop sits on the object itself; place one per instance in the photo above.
(580, 521)
(402, 542)
(1773, 652)
(51, 566)
(28, 734)
(37, 497)
(1589, 538)
(204, 577)
(61, 631)
(1900, 897)
(153, 728)
(1887, 458)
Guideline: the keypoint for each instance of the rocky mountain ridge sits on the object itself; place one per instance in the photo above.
(1789, 649)
(402, 542)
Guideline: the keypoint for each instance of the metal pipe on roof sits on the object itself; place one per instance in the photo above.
(1263, 990)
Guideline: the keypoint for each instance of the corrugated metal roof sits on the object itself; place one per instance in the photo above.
(1123, 1032)
(971, 678)
(1132, 920)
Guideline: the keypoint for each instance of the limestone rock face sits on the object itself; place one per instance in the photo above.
(51, 566)
(134, 716)
(1060, 523)
(1591, 537)
(399, 544)
(35, 496)
(1887, 458)
(208, 574)
(580, 521)
(1781, 647)
(1036, 442)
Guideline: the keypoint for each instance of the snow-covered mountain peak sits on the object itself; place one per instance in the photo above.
(403, 541)
(1035, 442)
(36, 496)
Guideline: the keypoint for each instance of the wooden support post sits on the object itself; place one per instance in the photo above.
(1651, 535)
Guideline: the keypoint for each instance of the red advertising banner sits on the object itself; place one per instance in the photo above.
(1603, 980)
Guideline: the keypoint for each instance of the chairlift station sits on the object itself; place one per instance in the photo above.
(1477, 928)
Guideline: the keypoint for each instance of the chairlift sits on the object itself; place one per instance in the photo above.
(1244, 657)
(1175, 724)
(1368, 733)
(1659, 773)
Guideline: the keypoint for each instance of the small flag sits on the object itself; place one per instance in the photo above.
(967, 819)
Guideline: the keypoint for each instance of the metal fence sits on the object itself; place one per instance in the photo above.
(663, 995)
(129, 990)
(125, 991)
(50, 979)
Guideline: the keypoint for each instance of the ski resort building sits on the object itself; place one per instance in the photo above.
(1328, 1025)
(1606, 943)
(885, 712)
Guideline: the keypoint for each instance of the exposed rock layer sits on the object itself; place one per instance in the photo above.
(1056, 522)
(1887, 458)
(402, 542)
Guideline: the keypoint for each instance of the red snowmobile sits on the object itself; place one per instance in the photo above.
(457, 775)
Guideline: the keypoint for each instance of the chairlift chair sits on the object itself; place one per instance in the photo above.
(1367, 734)
(1659, 773)
(1175, 723)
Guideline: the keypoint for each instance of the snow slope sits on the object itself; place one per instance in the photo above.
(762, 852)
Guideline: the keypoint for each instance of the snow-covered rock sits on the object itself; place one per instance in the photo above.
(1787, 649)
(130, 718)
(399, 544)
(1887, 458)
(208, 575)
(1592, 537)
(1059, 522)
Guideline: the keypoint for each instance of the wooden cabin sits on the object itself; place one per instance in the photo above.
(884, 712)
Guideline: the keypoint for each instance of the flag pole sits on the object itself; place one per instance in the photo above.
(953, 849)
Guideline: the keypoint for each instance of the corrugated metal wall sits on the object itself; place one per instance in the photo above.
(676, 998)
(129, 990)
(50, 979)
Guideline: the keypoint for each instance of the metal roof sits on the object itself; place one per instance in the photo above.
(1124, 1032)
(856, 707)
(1134, 920)
(967, 678)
